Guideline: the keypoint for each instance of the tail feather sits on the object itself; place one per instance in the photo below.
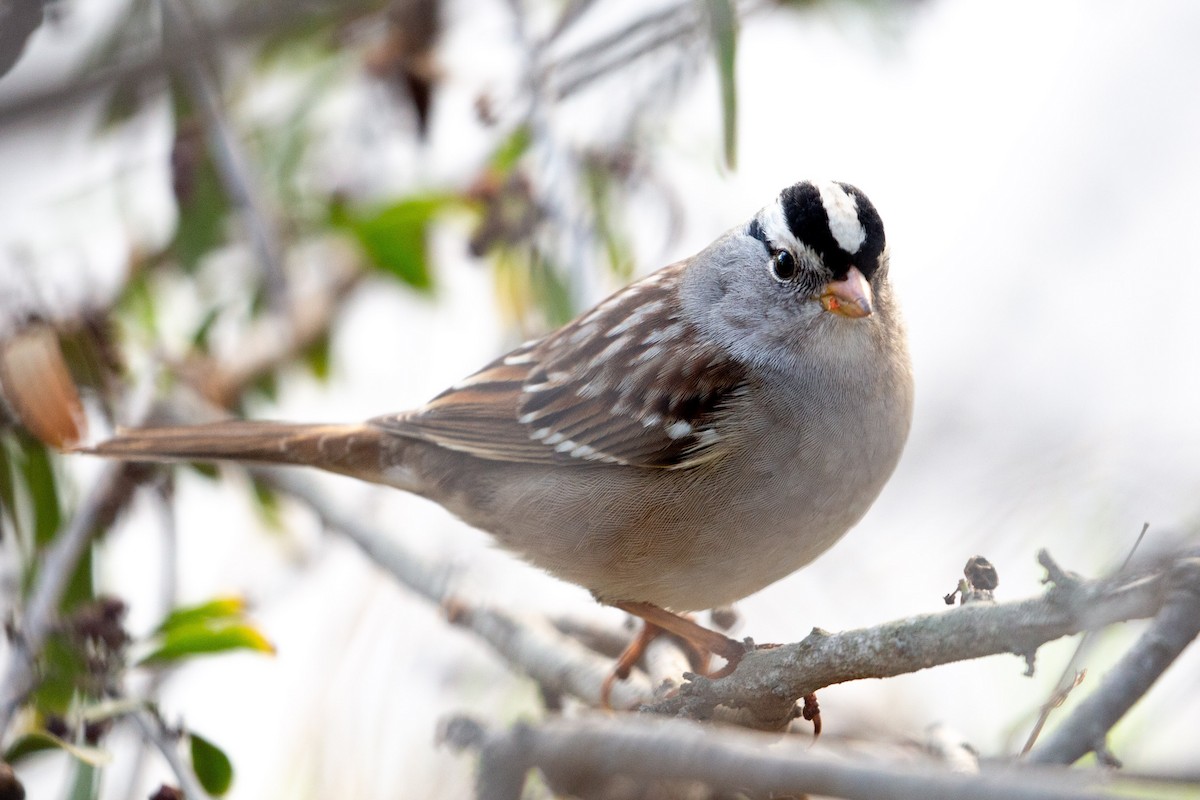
(355, 450)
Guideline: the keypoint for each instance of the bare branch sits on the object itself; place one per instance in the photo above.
(1173, 629)
(578, 755)
(241, 185)
(156, 733)
(1071, 674)
(245, 21)
(164, 504)
(767, 683)
(18, 21)
(572, 11)
(275, 338)
(667, 27)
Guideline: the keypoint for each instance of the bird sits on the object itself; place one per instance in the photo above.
(697, 436)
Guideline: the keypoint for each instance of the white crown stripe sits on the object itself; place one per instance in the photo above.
(842, 209)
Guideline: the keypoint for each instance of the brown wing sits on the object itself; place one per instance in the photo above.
(626, 383)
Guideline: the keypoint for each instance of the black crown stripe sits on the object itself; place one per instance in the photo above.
(809, 222)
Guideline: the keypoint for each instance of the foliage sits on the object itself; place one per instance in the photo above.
(263, 195)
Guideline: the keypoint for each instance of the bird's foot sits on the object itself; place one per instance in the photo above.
(700, 642)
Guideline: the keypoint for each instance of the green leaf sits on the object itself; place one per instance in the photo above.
(62, 670)
(85, 350)
(8, 495)
(305, 37)
(205, 469)
(600, 192)
(317, 358)
(206, 638)
(203, 205)
(394, 237)
(81, 587)
(219, 608)
(41, 741)
(138, 302)
(267, 385)
(124, 102)
(723, 19)
(550, 291)
(200, 337)
(511, 149)
(267, 502)
(43, 490)
(212, 767)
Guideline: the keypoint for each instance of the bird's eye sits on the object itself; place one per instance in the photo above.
(783, 265)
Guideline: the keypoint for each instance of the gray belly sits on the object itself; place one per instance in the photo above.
(695, 538)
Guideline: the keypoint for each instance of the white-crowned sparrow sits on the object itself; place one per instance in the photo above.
(700, 434)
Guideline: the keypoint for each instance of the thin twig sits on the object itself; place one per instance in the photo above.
(247, 20)
(155, 732)
(572, 11)
(642, 36)
(611, 58)
(19, 19)
(1071, 676)
(602, 47)
(232, 164)
(165, 505)
(275, 338)
(1173, 629)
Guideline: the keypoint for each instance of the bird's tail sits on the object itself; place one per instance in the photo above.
(362, 451)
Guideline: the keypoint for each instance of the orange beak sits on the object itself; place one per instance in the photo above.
(849, 297)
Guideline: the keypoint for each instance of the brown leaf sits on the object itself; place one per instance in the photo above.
(37, 385)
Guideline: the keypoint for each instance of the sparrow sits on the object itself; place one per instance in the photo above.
(700, 434)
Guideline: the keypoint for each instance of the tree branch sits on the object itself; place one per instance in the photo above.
(155, 732)
(275, 338)
(1071, 676)
(1173, 629)
(247, 20)
(180, 29)
(767, 683)
(580, 756)
(18, 21)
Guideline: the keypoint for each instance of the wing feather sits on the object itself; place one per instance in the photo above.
(626, 383)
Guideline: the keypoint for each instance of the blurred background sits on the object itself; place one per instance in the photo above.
(325, 212)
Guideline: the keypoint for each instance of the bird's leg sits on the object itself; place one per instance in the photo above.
(635, 650)
(632, 654)
(696, 635)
